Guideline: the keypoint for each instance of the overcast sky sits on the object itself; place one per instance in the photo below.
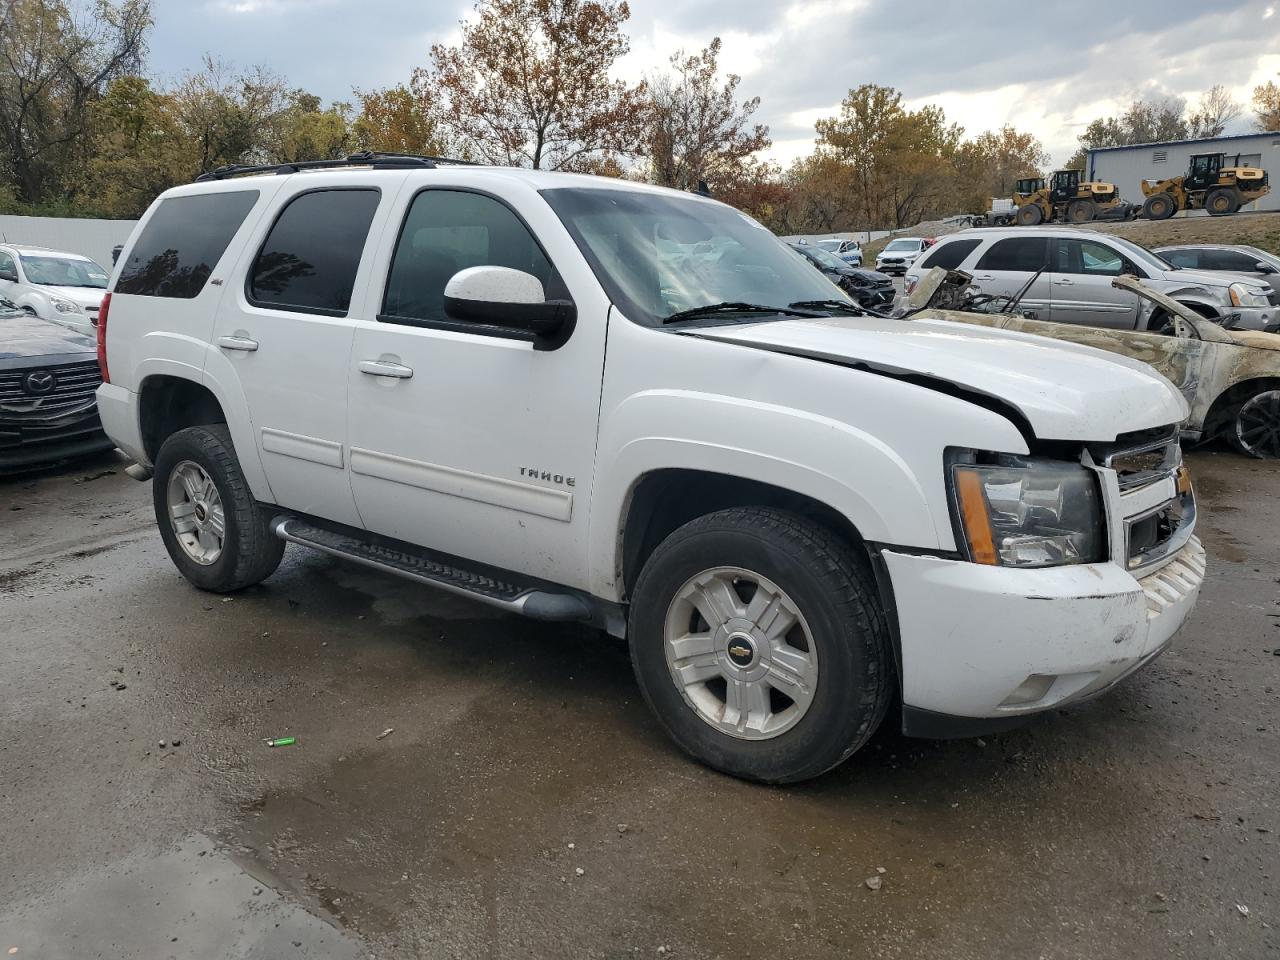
(981, 60)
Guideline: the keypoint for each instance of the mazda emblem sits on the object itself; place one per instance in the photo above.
(39, 382)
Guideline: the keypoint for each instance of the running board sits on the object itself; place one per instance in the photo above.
(513, 596)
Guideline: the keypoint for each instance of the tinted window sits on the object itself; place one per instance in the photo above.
(447, 231)
(1228, 260)
(949, 256)
(182, 243)
(1027, 254)
(1183, 258)
(1088, 257)
(309, 260)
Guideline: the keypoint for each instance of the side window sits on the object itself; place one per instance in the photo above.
(7, 265)
(449, 230)
(1025, 254)
(1183, 258)
(1088, 257)
(949, 256)
(1229, 260)
(309, 260)
(182, 243)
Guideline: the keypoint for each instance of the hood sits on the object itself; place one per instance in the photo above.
(869, 276)
(1211, 278)
(84, 296)
(1064, 391)
(22, 335)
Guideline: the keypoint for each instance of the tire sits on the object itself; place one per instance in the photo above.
(822, 623)
(1029, 214)
(1222, 202)
(1081, 211)
(1254, 425)
(1159, 206)
(197, 475)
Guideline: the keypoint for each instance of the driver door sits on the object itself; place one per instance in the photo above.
(1082, 290)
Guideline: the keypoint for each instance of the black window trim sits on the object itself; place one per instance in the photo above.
(464, 326)
(298, 308)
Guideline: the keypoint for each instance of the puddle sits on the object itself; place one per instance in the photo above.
(192, 901)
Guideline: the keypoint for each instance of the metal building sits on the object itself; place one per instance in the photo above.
(1127, 167)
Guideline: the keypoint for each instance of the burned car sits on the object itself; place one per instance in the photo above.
(48, 407)
(1230, 378)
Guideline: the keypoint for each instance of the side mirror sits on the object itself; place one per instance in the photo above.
(512, 299)
(10, 275)
(1265, 268)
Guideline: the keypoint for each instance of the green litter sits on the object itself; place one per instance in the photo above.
(281, 742)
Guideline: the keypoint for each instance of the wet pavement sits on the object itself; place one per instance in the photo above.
(524, 805)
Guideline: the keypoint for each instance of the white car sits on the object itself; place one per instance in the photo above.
(850, 251)
(63, 287)
(898, 255)
(587, 400)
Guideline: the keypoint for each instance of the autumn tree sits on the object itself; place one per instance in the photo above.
(697, 128)
(529, 83)
(1266, 107)
(988, 165)
(56, 59)
(304, 129)
(397, 120)
(1213, 113)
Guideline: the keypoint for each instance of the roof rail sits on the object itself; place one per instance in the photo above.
(367, 158)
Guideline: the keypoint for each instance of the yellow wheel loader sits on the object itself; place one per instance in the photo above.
(1208, 185)
(1070, 198)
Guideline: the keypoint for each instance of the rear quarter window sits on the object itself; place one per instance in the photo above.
(182, 243)
(949, 256)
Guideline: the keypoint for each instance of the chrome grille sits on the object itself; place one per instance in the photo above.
(69, 408)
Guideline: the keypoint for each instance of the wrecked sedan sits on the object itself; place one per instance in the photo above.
(868, 287)
(1230, 378)
(48, 408)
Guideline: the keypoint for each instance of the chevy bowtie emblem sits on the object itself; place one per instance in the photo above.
(740, 650)
(39, 382)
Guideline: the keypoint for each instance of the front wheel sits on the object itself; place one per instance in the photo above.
(758, 642)
(216, 533)
(1029, 215)
(1081, 211)
(1161, 206)
(1222, 202)
(1254, 428)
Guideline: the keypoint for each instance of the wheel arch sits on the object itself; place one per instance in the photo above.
(168, 403)
(1218, 418)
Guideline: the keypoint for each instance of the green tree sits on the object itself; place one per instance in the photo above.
(988, 165)
(397, 120)
(1266, 107)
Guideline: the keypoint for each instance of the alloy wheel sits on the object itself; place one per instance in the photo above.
(195, 510)
(1258, 425)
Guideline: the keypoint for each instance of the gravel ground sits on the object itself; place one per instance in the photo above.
(525, 805)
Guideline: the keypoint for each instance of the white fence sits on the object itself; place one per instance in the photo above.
(89, 238)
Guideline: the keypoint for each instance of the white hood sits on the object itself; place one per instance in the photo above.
(85, 297)
(1065, 391)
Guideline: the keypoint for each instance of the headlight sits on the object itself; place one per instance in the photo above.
(1022, 512)
(1242, 296)
(64, 306)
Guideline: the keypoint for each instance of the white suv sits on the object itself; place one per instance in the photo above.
(899, 254)
(63, 287)
(588, 400)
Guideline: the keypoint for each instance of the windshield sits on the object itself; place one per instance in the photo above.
(659, 254)
(1142, 255)
(64, 272)
(898, 246)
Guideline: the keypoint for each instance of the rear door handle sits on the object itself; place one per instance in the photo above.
(238, 343)
(385, 368)
(1064, 283)
(984, 277)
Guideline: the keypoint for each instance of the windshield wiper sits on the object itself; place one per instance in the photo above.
(847, 306)
(731, 306)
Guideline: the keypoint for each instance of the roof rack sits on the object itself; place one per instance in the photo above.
(367, 158)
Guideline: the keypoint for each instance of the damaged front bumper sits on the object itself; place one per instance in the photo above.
(984, 646)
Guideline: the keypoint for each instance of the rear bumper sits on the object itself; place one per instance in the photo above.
(995, 643)
(118, 409)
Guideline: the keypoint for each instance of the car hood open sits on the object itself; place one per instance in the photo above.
(1064, 391)
(22, 335)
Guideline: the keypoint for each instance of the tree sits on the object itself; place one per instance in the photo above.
(303, 130)
(1213, 113)
(529, 83)
(988, 165)
(1266, 104)
(56, 59)
(228, 117)
(1144, 121)
(697, 128)
(397, 120)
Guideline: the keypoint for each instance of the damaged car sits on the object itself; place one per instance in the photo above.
(1230, 378)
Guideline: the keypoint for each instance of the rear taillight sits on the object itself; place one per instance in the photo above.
(102, 337)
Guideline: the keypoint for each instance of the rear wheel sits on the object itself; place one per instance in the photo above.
(214, 530)
(1160, 206)
(759, 644)
(1081, 211)
(1254, 428)
(1222, 202)
(1029, 215)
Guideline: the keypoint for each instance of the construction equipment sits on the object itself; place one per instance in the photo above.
(1068, 197)
(1208, 185)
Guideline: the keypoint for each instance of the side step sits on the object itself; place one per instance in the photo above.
(531, 601)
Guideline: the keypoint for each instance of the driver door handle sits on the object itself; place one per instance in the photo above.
(985, 276)
(1064, 283)
(238, 343)
(385, 368)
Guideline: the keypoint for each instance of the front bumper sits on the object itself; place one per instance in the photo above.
(978, 641)
(1265, 319)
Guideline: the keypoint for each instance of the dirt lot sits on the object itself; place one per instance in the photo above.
(526, 806)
